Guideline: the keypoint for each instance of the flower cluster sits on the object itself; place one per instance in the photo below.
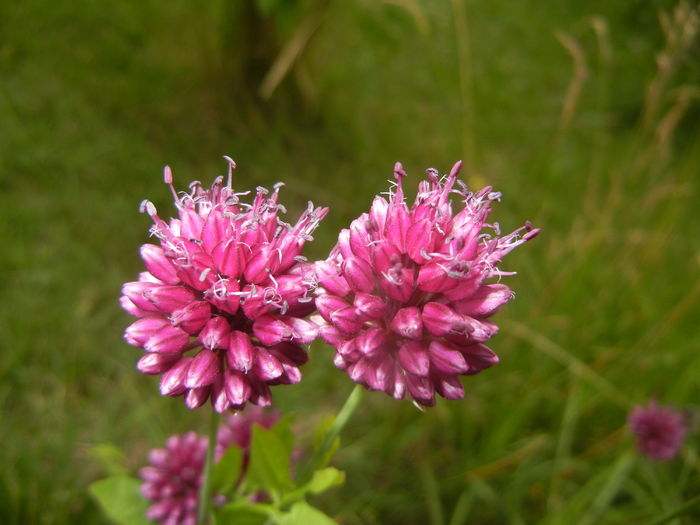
(658, 430)
(403, 297)
(227, 283)
(173, 478)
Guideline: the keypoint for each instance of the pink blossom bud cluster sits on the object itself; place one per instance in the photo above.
(658, 430)
(172, 480)
(404, 296)
(221, 306)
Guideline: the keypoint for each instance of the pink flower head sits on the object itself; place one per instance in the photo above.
(238, 427)
(403, 295)
(658, 430)
(172, 480)
(222, 302)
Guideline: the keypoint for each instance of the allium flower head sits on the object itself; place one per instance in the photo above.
(658, 430)
(403, 295)
(172, 480)
(222, 302)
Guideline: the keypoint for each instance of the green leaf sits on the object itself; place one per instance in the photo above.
(244, 513)
(111, 458)
(270, 454)
(304, 514)
(121, 500)
(321, 481)
(324, 479)
(226, 472)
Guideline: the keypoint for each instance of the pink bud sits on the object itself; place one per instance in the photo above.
(153, 363)
(228, 258)
(192, 317)
(130, 308)
(289, 353)
(414, 358)
(261, 394)
(433, 278)
(359, 238)
(303, 331)
(369, 306)
(196, 397)
(173, 381)
(191, 224)
(358, 274)
(422, 390)
(215, 229)
(219, 398)
(485, 300)
(381, 374)
(440, 319)
(378, 212)
(236, 387)
(271, 330)
(241, 353)
(215, 333)
(446, 359)
(399, 283)
(327, 304)
(371, 341)
(263, 261)
(357, 370)
(346, 320)
(203, 369)
(140, 331)
(419, 240)
(169, 298)
(330, 279)
(266, 367)
(398, 222)
(168, 339)
(331, 335)
(135, 292)
(478, 357)
(407, 323)
(158, 264)
(344, 243)
(450, 387)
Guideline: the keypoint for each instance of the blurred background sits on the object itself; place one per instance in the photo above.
(585, 115)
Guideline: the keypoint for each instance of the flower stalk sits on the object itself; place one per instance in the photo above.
(344, 415)
(205, 492)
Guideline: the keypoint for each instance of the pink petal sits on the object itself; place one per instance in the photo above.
(407, 323)
(158, 264)
(413, 357)
(203, 369)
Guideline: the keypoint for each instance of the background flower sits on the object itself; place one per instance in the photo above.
(658, 430)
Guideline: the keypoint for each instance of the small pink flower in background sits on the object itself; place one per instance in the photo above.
(172, 480)
(227, 285)
(658, 430)
(238, 428)
(403, 296)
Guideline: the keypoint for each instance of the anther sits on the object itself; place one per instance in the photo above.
(231, 167)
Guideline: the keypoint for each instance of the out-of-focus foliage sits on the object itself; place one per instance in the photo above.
(584, 114)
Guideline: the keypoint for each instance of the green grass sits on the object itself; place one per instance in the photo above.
(95, 99)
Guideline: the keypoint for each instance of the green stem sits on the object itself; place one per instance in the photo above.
(340, 421)
(205, 491)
